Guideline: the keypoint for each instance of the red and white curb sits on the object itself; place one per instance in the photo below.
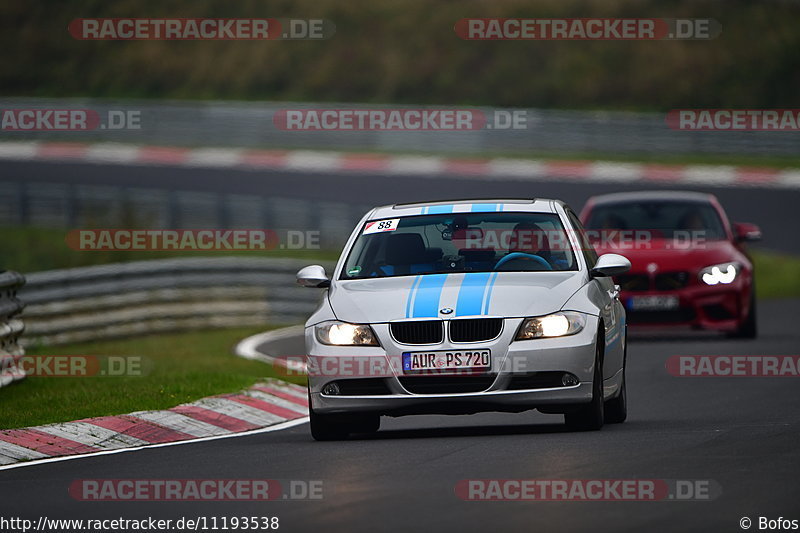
(423, 166)
(271, 403)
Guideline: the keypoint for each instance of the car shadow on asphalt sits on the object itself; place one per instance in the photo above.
(466, 431)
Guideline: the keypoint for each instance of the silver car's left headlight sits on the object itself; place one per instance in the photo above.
(344, 334)
(723, 273)
(555, 325)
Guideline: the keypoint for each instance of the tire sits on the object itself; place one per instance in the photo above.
(616, 409)
(590, 417)
(749, 328)
(326, 427)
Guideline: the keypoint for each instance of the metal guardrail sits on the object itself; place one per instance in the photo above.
(11, 327)
(125, 299)
(250, 125)
(73, 206)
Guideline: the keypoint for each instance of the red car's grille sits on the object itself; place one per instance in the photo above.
(670, 281)
(633, 282)
(665, 281)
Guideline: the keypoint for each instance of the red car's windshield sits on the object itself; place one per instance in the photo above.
(662, 219)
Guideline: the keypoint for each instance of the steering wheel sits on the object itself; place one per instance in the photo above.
(521, 255)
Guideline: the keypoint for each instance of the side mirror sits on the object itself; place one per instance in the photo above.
(313, 276)
(610, 265)
(744, 232)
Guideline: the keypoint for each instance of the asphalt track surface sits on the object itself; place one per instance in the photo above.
(774, 209)
(742, 433)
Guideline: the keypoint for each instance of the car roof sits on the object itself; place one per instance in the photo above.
(649, 196)
(478, 205)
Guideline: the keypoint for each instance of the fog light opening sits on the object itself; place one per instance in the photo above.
(569, 380)
(331, 389)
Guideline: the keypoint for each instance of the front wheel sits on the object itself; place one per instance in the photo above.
(616, 409)
(749, 328)
(590, 417)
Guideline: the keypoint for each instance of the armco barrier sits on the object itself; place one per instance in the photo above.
(11, 327)
(125, 299)
(250, 125)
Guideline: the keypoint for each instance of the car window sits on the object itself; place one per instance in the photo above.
(456, 242)
(659, 219)
(589, 253)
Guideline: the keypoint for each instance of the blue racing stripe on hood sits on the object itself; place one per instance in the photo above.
(488, 298)
(470, 295)
(411, 295)
(427, 294)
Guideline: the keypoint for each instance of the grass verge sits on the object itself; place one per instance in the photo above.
(183, 367)
(777, 275)
(33, 249)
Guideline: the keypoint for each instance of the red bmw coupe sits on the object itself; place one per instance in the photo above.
(689, 263)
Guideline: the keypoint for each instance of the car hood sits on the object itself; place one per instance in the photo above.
(509, 294)
(671, 256)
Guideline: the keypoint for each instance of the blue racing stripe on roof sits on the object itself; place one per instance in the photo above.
(489, 289)
(440, 209)
(428, 292)
(470, 295)
(411, 295)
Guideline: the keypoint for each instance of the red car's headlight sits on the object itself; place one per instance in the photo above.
(721, 274)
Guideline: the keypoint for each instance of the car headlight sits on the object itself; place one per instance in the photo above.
(723, 273)
(555, 325)
(344, 334)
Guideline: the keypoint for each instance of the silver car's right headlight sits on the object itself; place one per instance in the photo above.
(556, 325)
(343, 334)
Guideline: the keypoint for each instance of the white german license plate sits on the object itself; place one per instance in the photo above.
(653, 303)
(455, 360)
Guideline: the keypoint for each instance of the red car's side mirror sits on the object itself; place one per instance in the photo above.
(745, 232)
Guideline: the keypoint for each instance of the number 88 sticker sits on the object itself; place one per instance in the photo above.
(379, 226)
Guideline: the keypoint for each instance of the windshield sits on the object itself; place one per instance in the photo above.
(661, 220)
(469, 242)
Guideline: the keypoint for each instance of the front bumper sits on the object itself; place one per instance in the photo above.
(523, 375)
(711, 307)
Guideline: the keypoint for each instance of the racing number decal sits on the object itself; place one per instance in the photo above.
(379, 226)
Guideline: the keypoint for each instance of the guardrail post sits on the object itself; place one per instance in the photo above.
(11, 328)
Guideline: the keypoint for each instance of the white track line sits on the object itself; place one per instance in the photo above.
(247, 347)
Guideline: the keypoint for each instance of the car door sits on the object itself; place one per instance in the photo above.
(612, 311)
